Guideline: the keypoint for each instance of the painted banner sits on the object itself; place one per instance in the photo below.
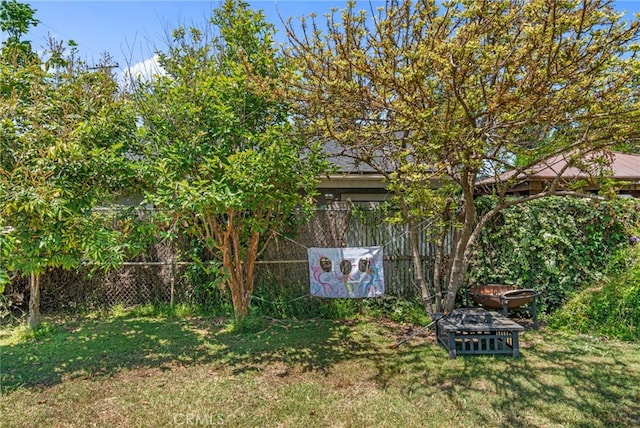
(346, 272)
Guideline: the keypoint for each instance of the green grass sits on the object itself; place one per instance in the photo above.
(159, 370)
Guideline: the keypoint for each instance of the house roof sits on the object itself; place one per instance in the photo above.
(346, 162)
(620, 166)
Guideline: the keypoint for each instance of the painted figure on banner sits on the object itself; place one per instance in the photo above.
(346, 272)
(328, 283)
(365, 277)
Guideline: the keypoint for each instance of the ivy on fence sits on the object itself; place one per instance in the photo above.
(553, 245)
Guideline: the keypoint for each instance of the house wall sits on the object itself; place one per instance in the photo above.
(352, 187)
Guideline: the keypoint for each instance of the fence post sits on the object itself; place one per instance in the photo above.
(172, 280)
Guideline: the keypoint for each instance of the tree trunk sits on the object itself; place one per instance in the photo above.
(34, 301)
(241, 287)
(439, 259)
(238, 257)
(240, 301)
(241, 269)
(456, 278)
(414, 239)
(462, 242)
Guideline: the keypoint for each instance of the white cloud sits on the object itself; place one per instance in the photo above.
(143, 71)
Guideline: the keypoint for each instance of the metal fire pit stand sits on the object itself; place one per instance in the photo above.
(474, 331)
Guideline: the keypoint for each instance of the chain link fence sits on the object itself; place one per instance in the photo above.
(159, 278)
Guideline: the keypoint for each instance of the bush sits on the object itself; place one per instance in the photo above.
(207, 290)
(275, 299)
(553, 245)
(611, 309)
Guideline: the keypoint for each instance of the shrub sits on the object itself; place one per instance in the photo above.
(275, 299)
(610, 309)
(207, 290)
(554, 245)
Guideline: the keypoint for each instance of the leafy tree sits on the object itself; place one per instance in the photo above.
(222, 162)
(16, 19)
(62, 136)
(436, 95)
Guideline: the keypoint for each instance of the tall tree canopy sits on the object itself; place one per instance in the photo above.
(63, 130)
(15, 20)
(437, 95)
(222, 161)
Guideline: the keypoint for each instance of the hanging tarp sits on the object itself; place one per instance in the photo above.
(346, 272)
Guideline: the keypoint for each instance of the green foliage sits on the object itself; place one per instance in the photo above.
(158, 310)
(461, 89)
(553, 245)
(397, 309)
(292, 301)
(610, 309)
(207, 288)
(220, 156)
(252, 323)
(20, 333)
(6, 248)
(62, 155)
(16, 19)
(64, 136)
(205, 277)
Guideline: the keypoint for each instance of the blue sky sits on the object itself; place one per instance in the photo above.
(128, 29)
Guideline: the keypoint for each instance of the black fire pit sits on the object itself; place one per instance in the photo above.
(474, 331)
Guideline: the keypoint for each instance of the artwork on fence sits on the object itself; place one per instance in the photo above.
(346, 272)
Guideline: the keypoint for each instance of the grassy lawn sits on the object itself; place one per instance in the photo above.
(152, 371)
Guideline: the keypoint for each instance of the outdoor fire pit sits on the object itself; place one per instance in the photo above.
(505, 297)
(474, 331)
